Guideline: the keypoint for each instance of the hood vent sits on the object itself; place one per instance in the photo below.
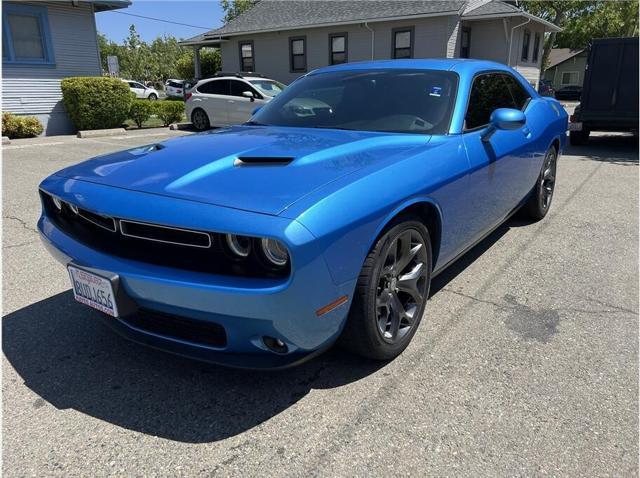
(262, 161)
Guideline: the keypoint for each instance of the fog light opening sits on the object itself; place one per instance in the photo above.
(275, 345)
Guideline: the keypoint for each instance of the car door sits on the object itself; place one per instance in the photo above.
(240, 108)
(137, 88)
(500, 175)
(212, 97)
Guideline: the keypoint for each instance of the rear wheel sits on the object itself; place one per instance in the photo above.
(200, 120)
(538, 204)
(391, 293)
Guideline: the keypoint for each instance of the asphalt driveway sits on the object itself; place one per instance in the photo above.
(526, 363)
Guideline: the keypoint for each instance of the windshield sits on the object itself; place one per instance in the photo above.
(268, 87)
(393, 100)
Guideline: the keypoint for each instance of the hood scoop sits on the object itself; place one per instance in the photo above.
(248, 161)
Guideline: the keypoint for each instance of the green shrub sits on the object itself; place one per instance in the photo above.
(169, 111)
(140, 111)
(20, 126)
(96, 102)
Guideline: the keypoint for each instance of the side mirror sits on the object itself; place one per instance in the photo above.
(256, 110)
(248, 94)
(507, 119)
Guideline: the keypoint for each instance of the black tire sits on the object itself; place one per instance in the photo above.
(578, 138)
(200, 119)
(538, 204)
(153, 97)
(363, 333)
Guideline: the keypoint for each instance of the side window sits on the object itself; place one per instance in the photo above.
(132, 84)
(488, 93)
(520, 95)
(215, 87)
(238, 87)
(526, 40)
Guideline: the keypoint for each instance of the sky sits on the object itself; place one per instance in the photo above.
(199, 13)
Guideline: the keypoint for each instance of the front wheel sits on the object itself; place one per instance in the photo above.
(391, 292)
(538, 204)
(153, 97)
(200, 120)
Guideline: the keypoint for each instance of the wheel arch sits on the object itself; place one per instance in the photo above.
(430, 214)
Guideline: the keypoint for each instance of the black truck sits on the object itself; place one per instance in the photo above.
(609, 99)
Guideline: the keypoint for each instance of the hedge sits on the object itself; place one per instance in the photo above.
(20, 126)
(96, 102)
(168, 111)
(141, 111)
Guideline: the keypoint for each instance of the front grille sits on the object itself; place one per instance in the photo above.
(182, 328)
(166, 246)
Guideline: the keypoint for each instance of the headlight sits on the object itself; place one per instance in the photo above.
(239, 245)
(73, 208)
(275, 252)
(57, 203)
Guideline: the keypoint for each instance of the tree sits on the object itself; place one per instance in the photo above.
(233, 8)
(210, 63)
(583, 21)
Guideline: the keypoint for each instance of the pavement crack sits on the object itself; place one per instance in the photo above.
(482, 301)
(22, 222)
(12, 246)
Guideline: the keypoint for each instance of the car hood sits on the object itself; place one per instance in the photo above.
(280, 165)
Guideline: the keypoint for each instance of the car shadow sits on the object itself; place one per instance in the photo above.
(609, 148)
(70, 358)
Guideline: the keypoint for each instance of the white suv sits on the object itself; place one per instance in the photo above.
(141, 91)
(228, 98)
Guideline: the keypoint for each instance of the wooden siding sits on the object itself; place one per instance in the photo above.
(35, 90)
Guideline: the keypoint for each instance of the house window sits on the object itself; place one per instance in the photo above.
(402, 42)
(526, 41)
(536, 47)
(25, 36)
(570, 78)
(298, 54)
(337, 48)
(246, 56)
(465, 43)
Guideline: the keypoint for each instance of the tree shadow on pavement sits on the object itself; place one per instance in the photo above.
(616, 149)
(66, 355)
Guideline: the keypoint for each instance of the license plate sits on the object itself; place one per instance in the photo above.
(575, 126)
(92, 290)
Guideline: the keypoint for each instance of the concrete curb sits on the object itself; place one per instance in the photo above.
(97, 133)
(6, 140)
(180, 126)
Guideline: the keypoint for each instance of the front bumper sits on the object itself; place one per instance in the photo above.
(248, 309)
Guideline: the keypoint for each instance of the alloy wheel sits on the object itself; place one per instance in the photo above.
(548, 179)
(402, 285)
(199, 120)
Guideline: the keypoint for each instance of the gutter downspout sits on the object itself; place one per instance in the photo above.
(511, 39)
(373, 38)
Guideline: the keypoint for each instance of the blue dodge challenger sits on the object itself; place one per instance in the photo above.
(322, 219)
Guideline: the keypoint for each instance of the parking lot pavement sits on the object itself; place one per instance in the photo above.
(526, 362)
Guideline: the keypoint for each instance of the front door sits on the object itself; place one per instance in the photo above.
(240, 108)
(500, 168)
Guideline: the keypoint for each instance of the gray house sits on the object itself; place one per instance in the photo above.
(285, 39)
(42, 43)
(566, 67)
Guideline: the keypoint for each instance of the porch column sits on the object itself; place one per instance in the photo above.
(196, 62)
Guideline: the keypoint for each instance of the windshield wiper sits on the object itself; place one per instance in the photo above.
(333, 127)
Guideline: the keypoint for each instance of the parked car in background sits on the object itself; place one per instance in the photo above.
(570, 93)
(609, 101)
(545, 88)
(142, 91)
(324, 217)
(175, 88)
(228, 98)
